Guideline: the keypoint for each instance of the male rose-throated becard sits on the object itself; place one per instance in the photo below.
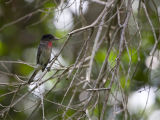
(43, 53)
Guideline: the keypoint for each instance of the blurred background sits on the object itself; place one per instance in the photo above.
(126, 90)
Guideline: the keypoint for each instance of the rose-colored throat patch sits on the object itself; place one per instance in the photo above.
(49, 44)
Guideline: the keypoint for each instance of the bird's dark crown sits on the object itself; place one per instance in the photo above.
(48, 37)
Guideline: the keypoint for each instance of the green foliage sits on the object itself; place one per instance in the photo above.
(24, 69)
(125, 83)
(49, 4)
(100, 56)
(2, 91)
(112, 58)
(130, 56)
(97, 110)
(3, 48)
(148, 39)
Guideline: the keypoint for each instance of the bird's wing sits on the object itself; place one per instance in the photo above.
(39, 53)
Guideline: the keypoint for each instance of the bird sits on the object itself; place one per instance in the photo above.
(43, 54)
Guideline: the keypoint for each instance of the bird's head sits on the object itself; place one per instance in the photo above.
(48, 37)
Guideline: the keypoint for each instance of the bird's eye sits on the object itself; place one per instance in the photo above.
(50, 37)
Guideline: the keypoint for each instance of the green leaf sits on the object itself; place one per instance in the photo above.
(131, 55)
(24, 69)
(100, 56)
(124, 83)
(112, 58)
(49, 5)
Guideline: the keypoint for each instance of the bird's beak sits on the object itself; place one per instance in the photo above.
(55, 38)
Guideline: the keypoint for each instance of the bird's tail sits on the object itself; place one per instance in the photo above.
(33, 75)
